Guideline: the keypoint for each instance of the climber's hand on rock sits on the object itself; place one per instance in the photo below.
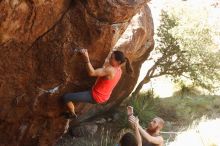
(84, 52)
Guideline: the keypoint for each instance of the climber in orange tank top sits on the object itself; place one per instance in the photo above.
(107, 78)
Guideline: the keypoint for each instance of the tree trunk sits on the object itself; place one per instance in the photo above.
(140, 85)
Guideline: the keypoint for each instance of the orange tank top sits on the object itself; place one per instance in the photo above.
(103, 87)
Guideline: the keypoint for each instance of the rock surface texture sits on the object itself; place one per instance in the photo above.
(38, 66)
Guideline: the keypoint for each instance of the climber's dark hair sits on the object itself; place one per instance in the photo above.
(119, 56)
(128, 139)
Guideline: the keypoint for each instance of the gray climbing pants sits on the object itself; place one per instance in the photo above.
(85, 96)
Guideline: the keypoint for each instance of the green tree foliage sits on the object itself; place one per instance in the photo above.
(184, 49)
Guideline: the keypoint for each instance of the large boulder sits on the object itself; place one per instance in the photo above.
(38, 66)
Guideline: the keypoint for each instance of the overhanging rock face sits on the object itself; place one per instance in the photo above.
(38, 66)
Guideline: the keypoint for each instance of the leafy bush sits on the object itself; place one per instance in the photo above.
(145, 107)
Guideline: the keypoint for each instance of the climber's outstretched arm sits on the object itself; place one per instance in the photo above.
(100, 72)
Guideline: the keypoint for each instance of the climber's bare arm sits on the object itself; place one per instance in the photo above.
(99, 72)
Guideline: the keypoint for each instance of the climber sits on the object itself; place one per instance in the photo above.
(108, 77)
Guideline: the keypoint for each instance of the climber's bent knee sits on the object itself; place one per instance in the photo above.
(67, 98)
